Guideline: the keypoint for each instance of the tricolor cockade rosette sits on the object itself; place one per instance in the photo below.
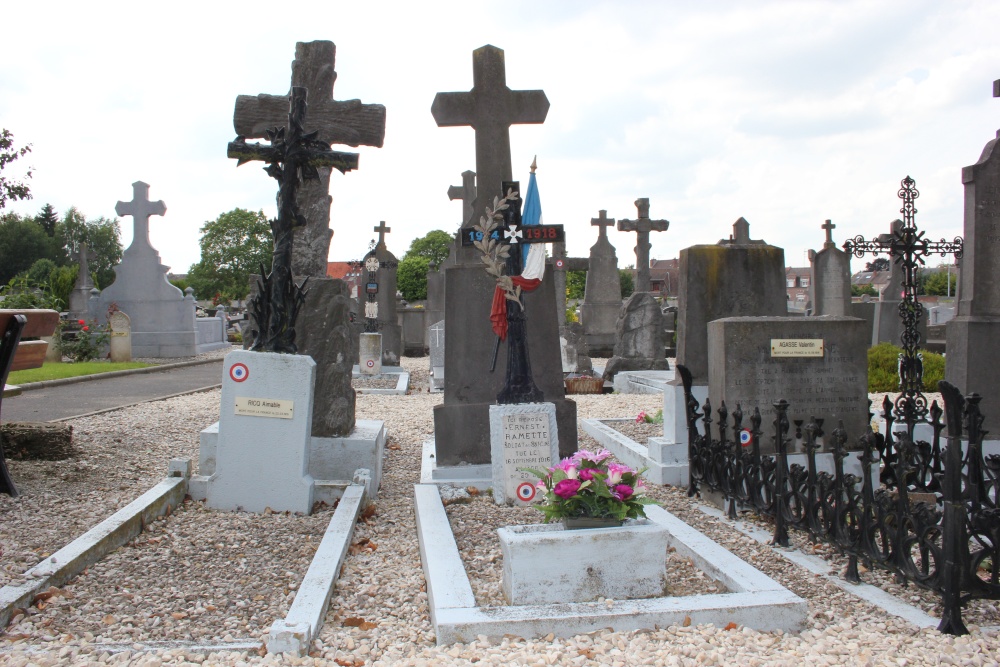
(588, 485)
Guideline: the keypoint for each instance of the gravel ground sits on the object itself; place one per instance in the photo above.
(204, 575)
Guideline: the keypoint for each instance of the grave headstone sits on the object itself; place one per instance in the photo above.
(371, 354)
(79, 298)
(602, 300)
(120, 337)
(521, 436)
(831, 277)
(461, 424)
(437, 356)
(162, 317)
(388, 324)
(642, 226)
(640, 342)
(818, 364)
(973, 332)
(575, 353)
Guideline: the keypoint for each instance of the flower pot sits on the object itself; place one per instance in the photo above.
(580, 522)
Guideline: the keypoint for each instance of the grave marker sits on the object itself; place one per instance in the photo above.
(521, 436)
(602, 300)
(120, 337)
(831, 277)
(642, 227)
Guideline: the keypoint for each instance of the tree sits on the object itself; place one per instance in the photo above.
(940, 283)
(411, 277)
(48, 219)
(878, 264)
(576, 283)
(233, 246)
(22, 243)
(863, 290)
(10, 188)
(103, 239)
(434, 246)
(627, 282)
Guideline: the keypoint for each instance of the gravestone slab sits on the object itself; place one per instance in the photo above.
(641, 342)
(818, 364)
(437, 356)
(389, 327)
(80, 296)
(602, 300)
(262, 451)
(120, 337)
(831, 278)
(973, 332)
(573, 344)
(521, 436)
(162, 317)
(370, 358)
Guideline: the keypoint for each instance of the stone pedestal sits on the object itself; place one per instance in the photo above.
(546, 564)
(262, 452)
(370, 358)
(120, 341)
(521, 436)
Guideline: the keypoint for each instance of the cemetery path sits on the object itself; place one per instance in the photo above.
(81, 398)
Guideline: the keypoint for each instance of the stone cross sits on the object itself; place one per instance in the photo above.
(490, 108)
(338, 122)
(467, 193)
(382, 231)
(642, 227)
(829, 227)
(603, 222)
(140, 208)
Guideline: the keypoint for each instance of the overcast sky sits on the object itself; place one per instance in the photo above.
(785, 113)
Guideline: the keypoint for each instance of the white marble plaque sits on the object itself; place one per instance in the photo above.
(521, 436)
(796, 347)
(264, 407)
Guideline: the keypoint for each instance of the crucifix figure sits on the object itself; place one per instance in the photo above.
(292, 155)
(140, 208)
(467, 193)
(337, 122)
(642, 227)
(907, 247)
(490, 108)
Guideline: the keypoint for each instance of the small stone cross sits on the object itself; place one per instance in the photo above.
(741, 235)
(603, 222)
(467, 193)
(140, 208)
(382, 231)
(642, 227)
(829, 227)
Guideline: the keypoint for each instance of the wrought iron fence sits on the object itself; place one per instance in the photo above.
(933, 520)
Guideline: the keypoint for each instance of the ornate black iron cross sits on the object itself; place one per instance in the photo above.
(907, 247)
(292, 157)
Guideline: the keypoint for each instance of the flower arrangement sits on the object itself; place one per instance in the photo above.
(644, 418)
(86, 344)
(588, 485)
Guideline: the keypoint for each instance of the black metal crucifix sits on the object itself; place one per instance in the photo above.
(292, 157)
(907, 247)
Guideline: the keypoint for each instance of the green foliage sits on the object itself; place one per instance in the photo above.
(86, 344)
(883, 368)
(411, 277)
(48, 219)
(39, 272)
(61, 281)
(233, 246)
(10, 188)
(22, 242)
(576, 284)
(434, 246)
(103, 239)
(627, 283)
(22, 293)
(180, 283)
(937, 283)
(571, 316)
(58, 371)
(863, 290)
(878, 264)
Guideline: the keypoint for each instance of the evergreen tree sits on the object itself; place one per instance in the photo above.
(48, 219)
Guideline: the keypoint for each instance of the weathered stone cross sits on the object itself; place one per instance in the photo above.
(140, 208)
(382, 231)
(338, 122)
(603, 222)
(829, 227)
(642, 227)
(467, 193)
(490, 108)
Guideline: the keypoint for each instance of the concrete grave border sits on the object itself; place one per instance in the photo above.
(673, 470)
(479, 476)
(402, 380)
(756, 600)
(642, 382)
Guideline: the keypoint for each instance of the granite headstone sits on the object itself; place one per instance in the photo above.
(602, 300)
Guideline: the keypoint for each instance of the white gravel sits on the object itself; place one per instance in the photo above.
(209, 577)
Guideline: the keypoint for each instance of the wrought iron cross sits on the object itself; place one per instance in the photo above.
(371, 264)
(293, 156)
(907, 247)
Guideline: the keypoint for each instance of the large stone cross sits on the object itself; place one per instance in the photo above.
(338, 122)
(490, 108)
(140, 208)
(642, 227)
(467, 193)
(382, 231)
(603, 222)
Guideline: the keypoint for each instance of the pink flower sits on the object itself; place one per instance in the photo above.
(640, 487)
(641, 417)
(615, 472)
(593, 457)
(567, 488)
(569, 467)
(587, 474)
(622, 492)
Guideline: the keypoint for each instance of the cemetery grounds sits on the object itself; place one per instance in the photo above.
(203, 586)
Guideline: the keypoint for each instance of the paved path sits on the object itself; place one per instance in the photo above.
(69, 400)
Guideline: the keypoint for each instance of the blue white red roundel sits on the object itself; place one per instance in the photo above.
(526, 491)
(370, 363)
(745, 437)
(239, 372)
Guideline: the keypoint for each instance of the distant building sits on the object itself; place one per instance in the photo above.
(664, 277)
(350, 275)
(877, 279)
(797, 286)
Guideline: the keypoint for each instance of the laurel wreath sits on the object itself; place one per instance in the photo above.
(495, 253)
